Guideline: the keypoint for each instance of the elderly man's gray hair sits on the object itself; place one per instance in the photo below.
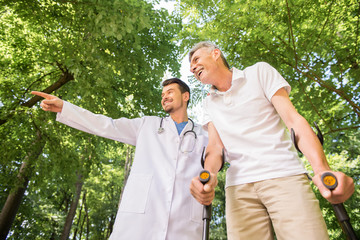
(209, 45)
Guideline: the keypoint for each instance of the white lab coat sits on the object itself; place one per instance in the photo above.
(156, 203)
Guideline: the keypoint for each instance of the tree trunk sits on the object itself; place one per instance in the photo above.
(82, 227)
(79, 218)
(71, 214)
(110, 227)
(15, 197)
(87, 220)
(127, 168)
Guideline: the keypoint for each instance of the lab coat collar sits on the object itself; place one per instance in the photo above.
(171, 125)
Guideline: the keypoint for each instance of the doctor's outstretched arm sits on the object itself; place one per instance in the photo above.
(50, 103)
(204, 194)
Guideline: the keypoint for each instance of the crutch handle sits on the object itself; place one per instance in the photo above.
(329, 180)
(204, 176)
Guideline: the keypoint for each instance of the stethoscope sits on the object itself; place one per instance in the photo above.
(161, 130)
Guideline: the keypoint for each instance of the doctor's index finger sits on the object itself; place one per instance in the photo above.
(42, 94)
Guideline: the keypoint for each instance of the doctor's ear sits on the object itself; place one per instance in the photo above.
(186, 96)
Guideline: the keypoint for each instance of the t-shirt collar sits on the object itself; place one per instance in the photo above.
(236, 77)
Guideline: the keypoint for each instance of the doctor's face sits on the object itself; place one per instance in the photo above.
(172, 99)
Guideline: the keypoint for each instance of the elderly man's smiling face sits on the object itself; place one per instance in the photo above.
(203, 63)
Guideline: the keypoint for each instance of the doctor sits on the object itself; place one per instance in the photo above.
(156, 202)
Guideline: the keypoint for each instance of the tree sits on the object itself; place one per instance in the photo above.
(314, 45)
(14, 199)
(106, 56)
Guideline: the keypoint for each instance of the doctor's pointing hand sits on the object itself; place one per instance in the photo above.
(50, 103)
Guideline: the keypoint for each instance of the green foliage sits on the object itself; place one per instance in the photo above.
(121, 48)
(102, 190)
(106, 56)
(218, 220)
(114, 55)
(315, 47)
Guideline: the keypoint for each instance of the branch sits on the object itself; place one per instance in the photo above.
(357, 31)
(342, 129)
(337, 91)
(323, 27)
(318, 80)
(66, 77)
(37, 80)
(283, 59)
(292, 34)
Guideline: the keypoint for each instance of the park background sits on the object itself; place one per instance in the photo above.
(110, 56)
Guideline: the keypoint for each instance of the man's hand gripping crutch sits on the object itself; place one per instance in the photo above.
(203, 186)
(327, 182)
(204, 178)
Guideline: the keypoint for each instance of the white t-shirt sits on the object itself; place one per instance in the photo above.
(257, 143)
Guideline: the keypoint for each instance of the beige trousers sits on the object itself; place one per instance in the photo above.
(286, 205)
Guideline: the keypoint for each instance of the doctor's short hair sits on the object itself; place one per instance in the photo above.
(182, 86)
(209, 45)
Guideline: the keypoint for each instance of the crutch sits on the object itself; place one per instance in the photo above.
(329, 180)
(204, 177)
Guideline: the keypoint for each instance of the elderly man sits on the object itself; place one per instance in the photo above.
(247, 113)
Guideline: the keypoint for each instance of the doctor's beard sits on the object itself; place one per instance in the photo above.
(169, 110)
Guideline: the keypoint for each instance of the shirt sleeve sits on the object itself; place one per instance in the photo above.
(271, 80)
(123, 129)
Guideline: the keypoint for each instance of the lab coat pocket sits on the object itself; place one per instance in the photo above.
(196, 211)
(136, 193)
